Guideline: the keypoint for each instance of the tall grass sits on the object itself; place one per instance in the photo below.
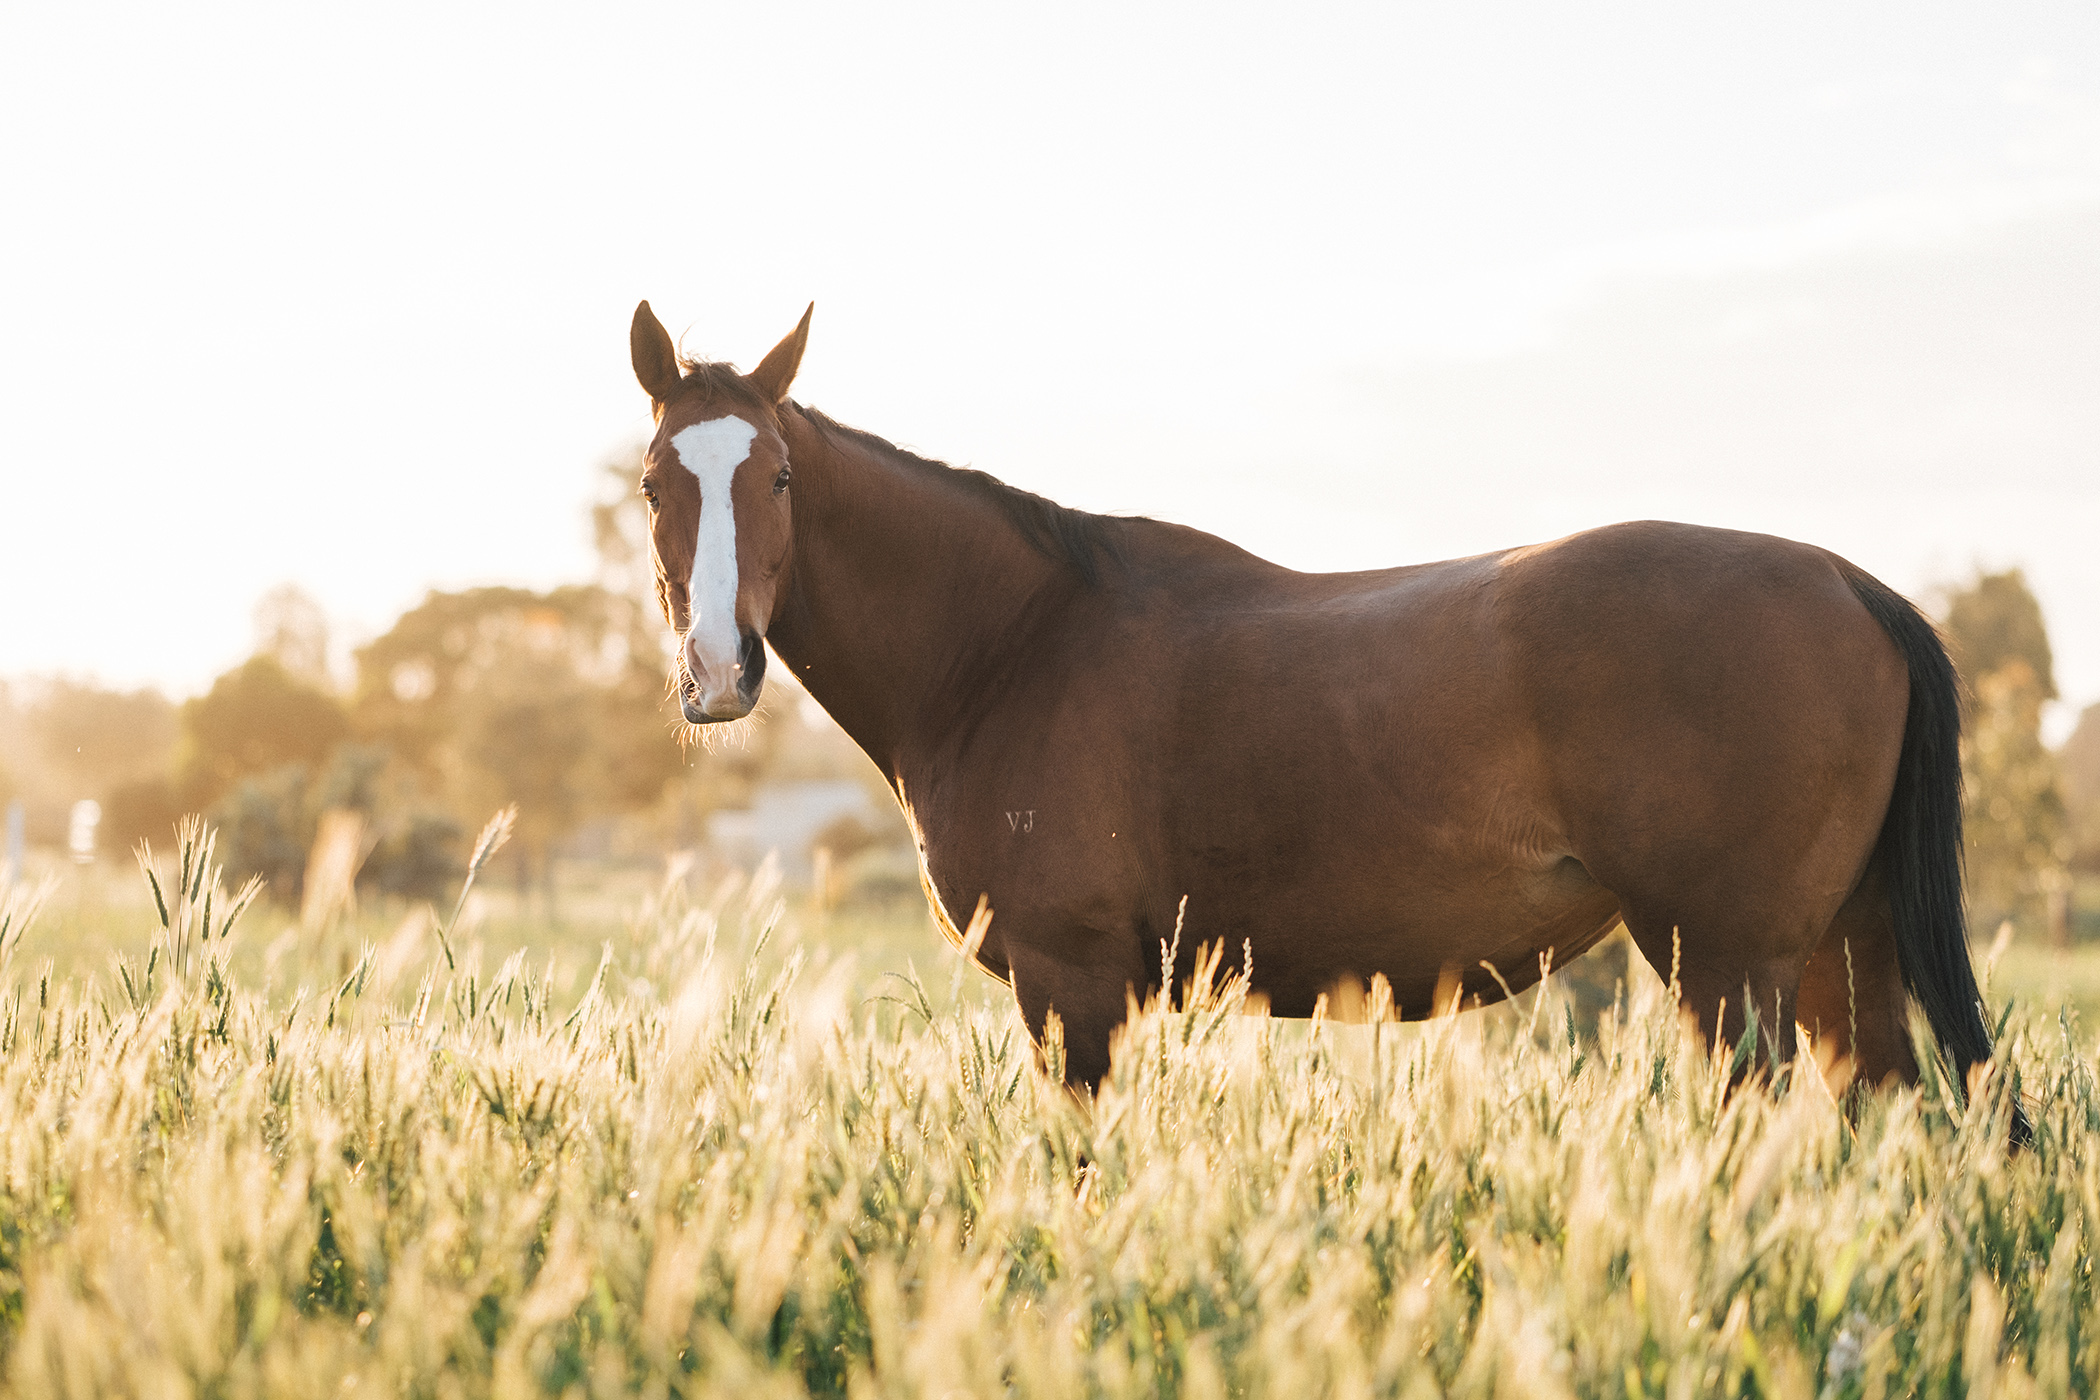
(749, 1182)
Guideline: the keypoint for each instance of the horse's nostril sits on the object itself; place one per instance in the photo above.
(751, 664)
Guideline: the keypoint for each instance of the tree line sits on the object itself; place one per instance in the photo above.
(2032, 816)
(555, 701)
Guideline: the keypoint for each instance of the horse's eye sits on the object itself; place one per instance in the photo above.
(649, 496)
(780, 483)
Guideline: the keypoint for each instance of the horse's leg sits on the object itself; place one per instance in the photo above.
(1723, 966)
(1852, 995)
(1085, 978)
(1740, 901)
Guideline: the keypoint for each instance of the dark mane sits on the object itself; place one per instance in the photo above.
(1076, 538)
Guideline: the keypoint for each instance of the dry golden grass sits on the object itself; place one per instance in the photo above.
(735, 1176)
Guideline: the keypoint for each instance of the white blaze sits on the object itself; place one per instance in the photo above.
(713, 451)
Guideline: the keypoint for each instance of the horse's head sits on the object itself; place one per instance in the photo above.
(716, 479)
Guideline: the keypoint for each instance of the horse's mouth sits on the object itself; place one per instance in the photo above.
(751, 678)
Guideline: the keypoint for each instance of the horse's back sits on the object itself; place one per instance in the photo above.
(1678, 648)
(1640, 627)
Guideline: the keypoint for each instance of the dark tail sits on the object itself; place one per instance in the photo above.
(1920, 848)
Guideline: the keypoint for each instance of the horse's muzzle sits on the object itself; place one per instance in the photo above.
(738, 700)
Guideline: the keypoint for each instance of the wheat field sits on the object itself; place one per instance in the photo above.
(723, 1170)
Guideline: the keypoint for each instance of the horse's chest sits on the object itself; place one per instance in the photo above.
(1035, 841)
(1006, 838)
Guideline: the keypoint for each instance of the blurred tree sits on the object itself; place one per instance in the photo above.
(419, 855)
(554, 701)
(256, 719)
(2013, 809)
(142, 810)
(2078, 762)
(2018, 839)
(94, 739)
(68, 740)
(266, 827)
(268, 823)
(620, 530)
(291, 629)
(250, 748)
(1997, 620)
(525, 730)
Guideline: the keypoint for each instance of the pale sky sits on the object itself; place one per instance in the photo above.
(340, 298)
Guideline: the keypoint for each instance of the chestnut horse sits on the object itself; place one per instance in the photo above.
(1743, 747)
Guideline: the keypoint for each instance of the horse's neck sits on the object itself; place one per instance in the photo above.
(904, 587)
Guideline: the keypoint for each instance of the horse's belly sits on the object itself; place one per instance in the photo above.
(1428, 944)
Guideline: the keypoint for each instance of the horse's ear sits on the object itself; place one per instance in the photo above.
(777, 370)
(655, 360)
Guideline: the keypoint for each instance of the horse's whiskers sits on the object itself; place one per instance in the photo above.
(714, 738)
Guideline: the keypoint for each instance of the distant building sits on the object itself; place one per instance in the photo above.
(789, 818)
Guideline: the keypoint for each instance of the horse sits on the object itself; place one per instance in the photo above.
(1743, 748)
